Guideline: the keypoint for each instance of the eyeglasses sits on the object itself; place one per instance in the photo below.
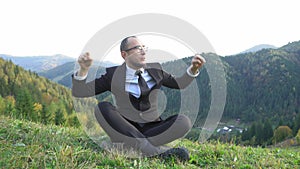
(139, 48)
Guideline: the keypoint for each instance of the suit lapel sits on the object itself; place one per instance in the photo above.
(119, 78)
(153, 72)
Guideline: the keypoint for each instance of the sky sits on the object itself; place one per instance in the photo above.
(49, 27)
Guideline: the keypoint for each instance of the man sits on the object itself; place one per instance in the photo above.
(134, 120)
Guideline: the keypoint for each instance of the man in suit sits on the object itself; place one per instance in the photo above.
(134, 119)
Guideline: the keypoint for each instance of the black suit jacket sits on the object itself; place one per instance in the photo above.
(114, 80)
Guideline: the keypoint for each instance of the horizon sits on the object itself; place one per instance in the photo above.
(117, 50)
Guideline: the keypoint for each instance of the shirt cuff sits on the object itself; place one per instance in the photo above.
(79, 77)
(188, 71)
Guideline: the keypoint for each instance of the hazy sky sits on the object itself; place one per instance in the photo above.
(37, 27)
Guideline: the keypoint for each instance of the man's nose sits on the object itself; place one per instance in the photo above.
(143, 52)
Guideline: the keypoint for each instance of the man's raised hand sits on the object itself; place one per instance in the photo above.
(85, 61)
(197, 62)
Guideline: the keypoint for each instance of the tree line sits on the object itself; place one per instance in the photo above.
(25, 95)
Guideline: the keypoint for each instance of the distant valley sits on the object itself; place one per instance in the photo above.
(38, 63)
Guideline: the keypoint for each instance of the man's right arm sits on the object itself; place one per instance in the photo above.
(81, 88)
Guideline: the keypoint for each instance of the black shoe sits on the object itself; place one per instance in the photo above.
(180, 153)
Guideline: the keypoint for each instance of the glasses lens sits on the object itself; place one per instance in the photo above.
(143, 48)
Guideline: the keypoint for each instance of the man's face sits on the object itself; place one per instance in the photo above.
(135, 54)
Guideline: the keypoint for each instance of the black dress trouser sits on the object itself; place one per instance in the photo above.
(120, 129)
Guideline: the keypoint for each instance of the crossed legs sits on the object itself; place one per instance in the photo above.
(145, 138)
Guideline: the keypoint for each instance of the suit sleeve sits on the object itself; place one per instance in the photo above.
(81, 88)
(170, 81)
(176, 82)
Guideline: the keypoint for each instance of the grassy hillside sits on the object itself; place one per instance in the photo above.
(30, 145)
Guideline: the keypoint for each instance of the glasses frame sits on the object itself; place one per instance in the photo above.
(139, 47)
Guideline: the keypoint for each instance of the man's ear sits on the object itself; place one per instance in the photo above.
(123, 54)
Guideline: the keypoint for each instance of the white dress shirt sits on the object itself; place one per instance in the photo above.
(131, 83)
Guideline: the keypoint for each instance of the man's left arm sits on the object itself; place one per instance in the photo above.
(193, 71)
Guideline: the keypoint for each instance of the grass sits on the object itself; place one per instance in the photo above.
(25, 144)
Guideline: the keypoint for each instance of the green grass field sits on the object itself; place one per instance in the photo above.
(29, 145)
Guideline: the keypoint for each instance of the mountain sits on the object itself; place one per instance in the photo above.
(259, 47)
(264, 84)
(25, 95)
(260, 85)
(38, 63)
(61, 74)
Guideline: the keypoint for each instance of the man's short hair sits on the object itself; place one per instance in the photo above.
(124, 43)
